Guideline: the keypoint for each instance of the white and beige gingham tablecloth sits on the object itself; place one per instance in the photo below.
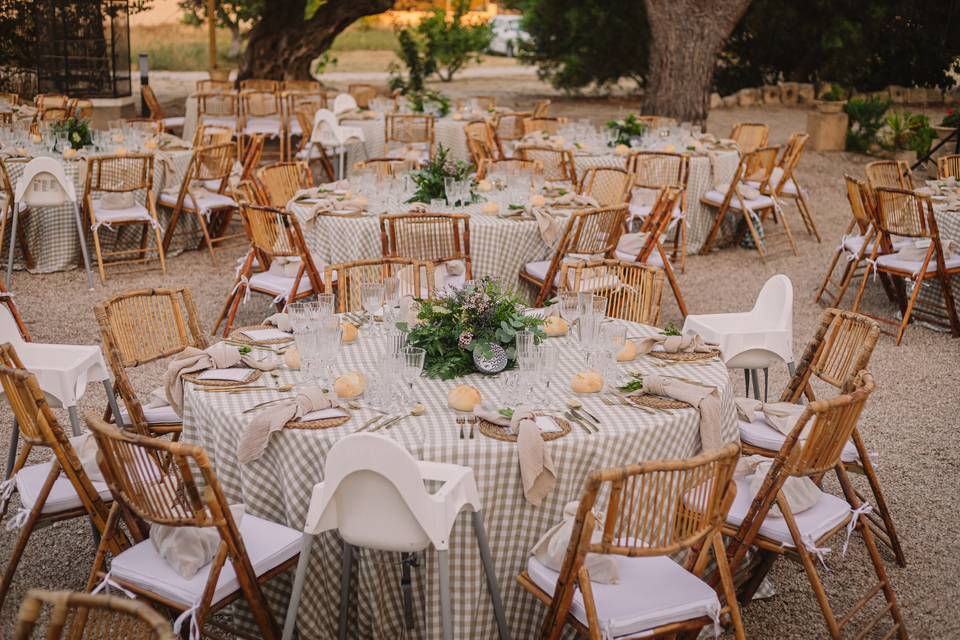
(278, 487)
(931, 294)
(51, 232)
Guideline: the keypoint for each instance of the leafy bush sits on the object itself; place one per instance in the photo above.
(454, 43)
(418, 58)
(952, 119)
(866, 119)
(834, 94)
(909, 132)
(429, 101)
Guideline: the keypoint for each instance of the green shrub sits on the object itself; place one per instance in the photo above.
(909, 132)
(866, 119)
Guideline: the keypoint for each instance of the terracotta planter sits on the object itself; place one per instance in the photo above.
(943, 132)
(219, 74)
(830, 106)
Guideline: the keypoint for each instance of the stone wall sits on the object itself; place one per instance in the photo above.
(800, 93)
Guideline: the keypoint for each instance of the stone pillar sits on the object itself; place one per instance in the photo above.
(828, 131)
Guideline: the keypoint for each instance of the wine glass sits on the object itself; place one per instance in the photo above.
(569, 306)
(547, 359)
(328, 340)
(412, 359)
(391, 298)
(371, 297)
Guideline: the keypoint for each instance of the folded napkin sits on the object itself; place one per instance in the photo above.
(675, 344)
(328, 203)
(705, 398)
(551, 549)
(537, 472)
(285, 267)
(273, 417)
(632, 244)
(547, 224)
(191, 359)
(117, 200)
(644, 197)
(782, 416)
(800, 492)
(746, 191)
(189, 549)
(409, 310)
(280, 321)
(573, 200)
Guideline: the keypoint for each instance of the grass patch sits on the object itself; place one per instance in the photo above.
(360, 37)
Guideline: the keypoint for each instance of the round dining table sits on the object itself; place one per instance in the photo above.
(278, 485)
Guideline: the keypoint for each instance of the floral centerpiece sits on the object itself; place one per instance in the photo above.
(430, 102)
(477, 318)
(429, 179)
(626, 129)
(952, 119)
(78, 132)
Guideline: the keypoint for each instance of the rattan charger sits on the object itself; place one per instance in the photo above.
(498, 432)
(194, 378)
(685, 356)
(659, 403)
(325, 423)
(237, 335)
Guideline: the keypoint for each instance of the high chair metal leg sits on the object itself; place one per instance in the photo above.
(492, 584)
(13, 242)
(83, 246)
(756, 383)
(346, 567)
(291, 622)
(446, 609)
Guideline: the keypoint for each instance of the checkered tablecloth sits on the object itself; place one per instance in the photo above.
(51, 232)
(931, 293)
(278, 487)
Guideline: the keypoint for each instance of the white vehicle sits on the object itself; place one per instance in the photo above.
(507, 35)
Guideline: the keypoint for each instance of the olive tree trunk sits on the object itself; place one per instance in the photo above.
(687, 37)
(283, 45)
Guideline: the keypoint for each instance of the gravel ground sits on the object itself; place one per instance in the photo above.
(910, 421)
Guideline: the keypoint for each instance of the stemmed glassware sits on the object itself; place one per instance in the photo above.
(328, 337)
(371, 297)
(411, 359)
(547, 358)
(569, 306)
(391, 299)
(302, 322)
(592, 310)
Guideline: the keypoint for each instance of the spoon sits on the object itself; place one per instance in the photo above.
(577, 407)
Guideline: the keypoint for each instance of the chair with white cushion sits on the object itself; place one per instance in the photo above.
(653, 171)
(749, 196)
(288, 271)
(414, 279)
(755, 339)
(414, 132)
(140, 327)
(112, 196)
(44, 183)
(203, 193)
(609, 186)
(784, 184)
(184, 494)
(59, 489)
(635, 518)
(219, 108)
(890, 174)
(633, 290)
(332, 137)
(156, 111)
(442, 239)
(261, 113)
(805, 524)
(750, 136)
(374, 495)
(88, 616)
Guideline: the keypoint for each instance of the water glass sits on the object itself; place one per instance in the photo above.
(326, 302)
(569, 306)
(328, 338)
(371, 297)
(412, 359)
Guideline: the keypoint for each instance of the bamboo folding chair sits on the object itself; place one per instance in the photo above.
(541, 124)
(12, 99)
(247, 192)
(251, 157)
(415, 278)
(384, 167)
(857, 240)
(948, 167)
(437, 238)
(304, 86)
(511, 166)
(783, 183)
(750, 136)
(128, 174)
(588, 234)
(510, 126)
(261, 113)
(756, 167)
(908, 214)
(103, 617)
(80, 108)
(49, 491)
(656, 170)
(156, 111)
(6, 299)
(47, 100)
(6, 117)
(557, 163)
(293, 101)
(141, 327)
(52, 114)
(412, 130)
(308, 152)
(803, 536)
(148, 125)
(541, 108)
(214, 86)
(609, 186)
(184, 493)
(481, 141)
(260, 84)
(6, 212)
(203, 193)
(221, 109)
(362, 93)
(273, 233)
(633, 290)
(644, 513)
(891, 174)
(840, 348)
(280, 181)
(652, 253)
(207, 135)
(485, 103)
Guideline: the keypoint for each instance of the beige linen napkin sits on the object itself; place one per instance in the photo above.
(548, 226)
(782, 416)
(273, 417)
(551, 549)
(675, 344)
(280, 321)
(801, 493)
(705, 398)
(916, 250)
(191, 360)
(537, 472)
(632, 244)
(114, 200)
(189, 549)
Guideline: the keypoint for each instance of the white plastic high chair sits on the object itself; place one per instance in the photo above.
(334, 137)
(44, 183)
(755, 339)
(344, 102)
(374, 496)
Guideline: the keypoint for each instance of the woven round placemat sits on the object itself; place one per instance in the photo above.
(193, 377)
(497, 432)
(657, 402)
(327, 423)
(237, 335)
(684, 357)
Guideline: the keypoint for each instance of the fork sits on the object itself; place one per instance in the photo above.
(616, 400)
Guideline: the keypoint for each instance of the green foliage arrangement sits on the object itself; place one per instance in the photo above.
(429, 179)
(909, 132)
(78, 132)
(835, 93)
(454, 43)
(429, 101)
(451, 328)
(952, 119)
(866, 118)
(626, 128)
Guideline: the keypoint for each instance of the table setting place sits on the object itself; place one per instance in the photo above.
(76, 139)
(944, 194)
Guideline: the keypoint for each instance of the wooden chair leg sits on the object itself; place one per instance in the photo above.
(804, 209)
(726, 580)
(826, 277)
(171, 228)
(881, 572)
(160, 251)
(97, 249)
(909, 310)
(714, 230)
(24, 247)
(206, 236)
(672, 279)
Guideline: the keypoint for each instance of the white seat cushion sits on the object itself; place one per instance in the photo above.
(893, 261)
(293, 128)
(311, 152)
(268, 544)
(539, 270)
(205, 200)
(173, 122)
(813, 523)
(654, 258)
(277, 284)
(652, 592)
(62, 495)
(128, 214)
(760, 434)
(230, 122)
(266, 126)
(154, 415)
(853, 244)
(643, 210)
(715, 198)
